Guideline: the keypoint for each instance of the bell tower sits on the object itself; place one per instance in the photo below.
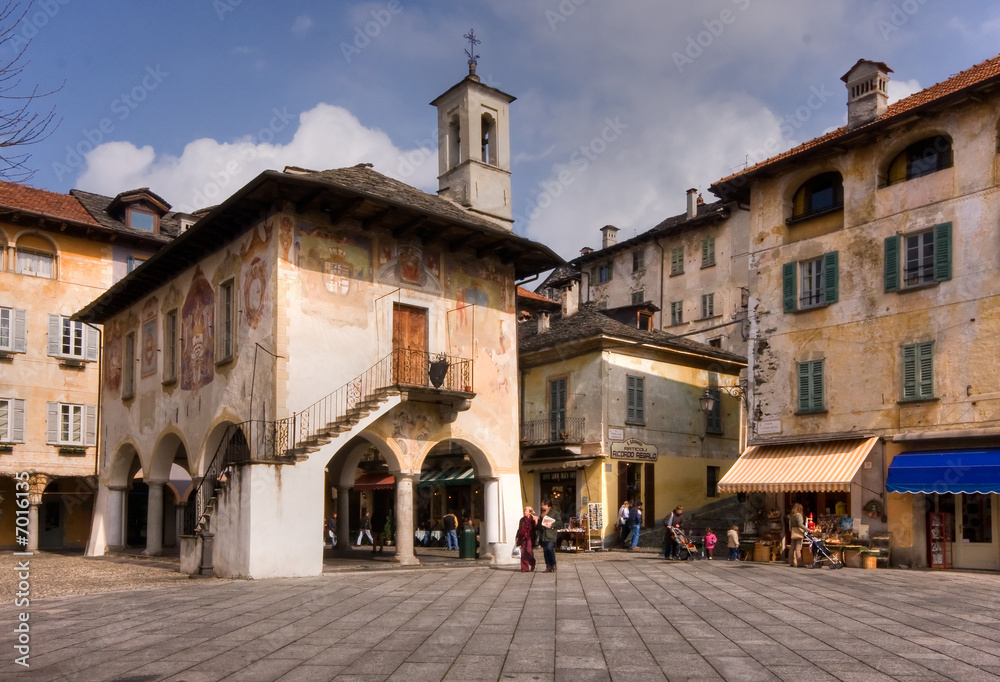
(474, 145)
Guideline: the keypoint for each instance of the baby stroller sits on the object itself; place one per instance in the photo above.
(820, 553)
(686, 550)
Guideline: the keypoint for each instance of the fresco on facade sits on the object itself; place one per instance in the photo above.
(197, 335)
(409, 265)
(331, 261)
(113, 363)
(286, 240)
(256, 299)
(149, 347)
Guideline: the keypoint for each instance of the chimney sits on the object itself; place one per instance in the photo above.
(867, 92)
(692, 197)
(586, 251)
(610, 236)
(571, 298)
(543, 321)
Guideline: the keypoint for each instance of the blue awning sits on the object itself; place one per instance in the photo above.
(951, 471)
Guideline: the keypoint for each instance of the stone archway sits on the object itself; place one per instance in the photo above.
(67, 507)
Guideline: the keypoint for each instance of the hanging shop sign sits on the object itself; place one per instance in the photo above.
(633, 449)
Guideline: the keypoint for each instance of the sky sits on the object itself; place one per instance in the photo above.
(622, 105)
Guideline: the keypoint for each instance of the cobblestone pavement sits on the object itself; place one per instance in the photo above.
(609, 616)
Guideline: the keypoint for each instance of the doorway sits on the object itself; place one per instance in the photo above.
(409, 345)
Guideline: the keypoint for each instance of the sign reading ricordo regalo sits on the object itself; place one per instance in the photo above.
(633, 449)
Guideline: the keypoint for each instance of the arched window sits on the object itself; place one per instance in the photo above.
(454, 143)
(489, 140)
(35, 257)
(921, 158)
(819, 194)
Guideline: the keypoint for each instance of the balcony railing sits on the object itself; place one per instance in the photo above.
(554, 430)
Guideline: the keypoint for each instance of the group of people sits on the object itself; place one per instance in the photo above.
(538, 529)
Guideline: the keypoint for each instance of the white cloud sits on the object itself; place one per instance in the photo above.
(208, 171)
(902, 89)
(302, 25)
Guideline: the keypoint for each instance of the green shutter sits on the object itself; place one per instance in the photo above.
(788, 271)
(909, 372)
(630, 398)
(830, 275)
(803, 387)
(942, 252)
(640, 411)
(925, 360)
(817, 385)
(892, 264)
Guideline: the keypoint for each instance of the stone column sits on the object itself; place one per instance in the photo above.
(490, 532)
(116, 515)
(343, 518)
(404, 520)
(154, 519)
(33, 525)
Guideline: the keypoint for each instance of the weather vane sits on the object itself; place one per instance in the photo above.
(471, 52)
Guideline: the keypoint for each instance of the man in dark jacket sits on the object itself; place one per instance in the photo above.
(635, 523)
(674, 520)
(548, 524)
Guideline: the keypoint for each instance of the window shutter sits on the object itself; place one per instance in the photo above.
(942, 252)
(20, 330)
(704, 251)
(52, 422)
(90, 432)
(55, 335)
(714, 418)
(91, 337)
(909, 372)
(925, 357)
(630, 399)
(803, 387)
(611, 270)
(640, 411)
(817, 385)
(593, 275)
(891, 272)
(788, 286)
(17, 423)
(830, 273)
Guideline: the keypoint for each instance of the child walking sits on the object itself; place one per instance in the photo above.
(710, 541)
(733, 537)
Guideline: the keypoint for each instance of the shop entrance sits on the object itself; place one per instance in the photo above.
(560, 488)
(976, 532)
(635, 484)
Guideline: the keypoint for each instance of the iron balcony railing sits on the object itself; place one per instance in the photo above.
(552, 430)
(402, 368)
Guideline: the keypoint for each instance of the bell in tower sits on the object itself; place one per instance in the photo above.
(474, 145)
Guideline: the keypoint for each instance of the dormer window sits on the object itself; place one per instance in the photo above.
(139, 219)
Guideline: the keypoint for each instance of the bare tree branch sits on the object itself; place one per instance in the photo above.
(22, 121)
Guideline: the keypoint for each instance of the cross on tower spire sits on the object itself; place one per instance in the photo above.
(471, 52)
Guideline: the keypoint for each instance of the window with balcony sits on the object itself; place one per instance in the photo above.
(918, 258)
(816, 279)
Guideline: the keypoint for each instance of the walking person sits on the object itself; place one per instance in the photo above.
(451, 531)
(635, 523)
(673, 520)
(366, 529)
(623, 529)
(525, 539)
(733, 540)
(548, 523)
(796, 530)
(710, 541)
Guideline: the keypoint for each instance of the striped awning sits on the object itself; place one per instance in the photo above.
(451, 476)
(801, 467)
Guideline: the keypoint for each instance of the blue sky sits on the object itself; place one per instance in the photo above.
(193, 98)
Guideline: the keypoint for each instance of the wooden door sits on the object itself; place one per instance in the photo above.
(409, 345)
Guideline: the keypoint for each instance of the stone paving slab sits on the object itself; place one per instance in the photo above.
(609, 617)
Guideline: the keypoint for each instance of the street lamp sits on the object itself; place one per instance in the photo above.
(707, 401)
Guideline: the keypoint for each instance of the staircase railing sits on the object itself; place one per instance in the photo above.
(401, 368)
